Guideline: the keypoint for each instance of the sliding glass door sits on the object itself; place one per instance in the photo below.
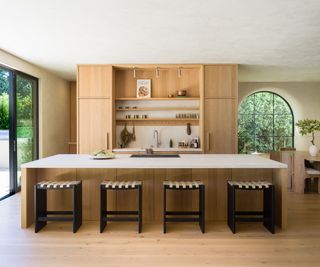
(26, 121)
(21, 130)
(4, 133)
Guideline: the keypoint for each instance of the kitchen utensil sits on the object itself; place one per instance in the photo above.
(188, 129)
(125, 137)
(133, 132)
(181, 92)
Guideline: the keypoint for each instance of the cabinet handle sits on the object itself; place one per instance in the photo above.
(107, 141)
(208, 141)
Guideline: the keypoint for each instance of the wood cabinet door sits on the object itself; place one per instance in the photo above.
(95, 81)
(220, 126)
(220, 81)
(287, 158)
(94, 125)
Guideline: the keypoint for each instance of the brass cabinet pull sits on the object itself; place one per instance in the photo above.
(107, 140)
(208, 141)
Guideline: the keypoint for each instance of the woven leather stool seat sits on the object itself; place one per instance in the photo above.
(266, 215)
(120, 215)
(250, 184)
(183, 184)
(182, 215)
(57, 184)
(121, 184)
(43, 215)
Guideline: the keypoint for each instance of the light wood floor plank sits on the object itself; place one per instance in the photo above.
(183, 245)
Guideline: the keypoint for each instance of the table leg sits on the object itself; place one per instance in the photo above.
(28, 180)
(279, 178)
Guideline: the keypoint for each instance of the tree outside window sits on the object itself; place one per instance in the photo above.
(265, 123)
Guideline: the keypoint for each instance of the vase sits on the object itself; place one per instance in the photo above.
(313, 150)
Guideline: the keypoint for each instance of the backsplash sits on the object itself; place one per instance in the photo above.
(144, 135)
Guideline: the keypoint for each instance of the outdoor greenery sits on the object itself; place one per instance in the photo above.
(4, 100)
(308, 126)
(4, 111)
(265, 123)
(24, 114)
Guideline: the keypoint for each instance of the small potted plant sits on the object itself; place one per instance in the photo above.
(308, 126)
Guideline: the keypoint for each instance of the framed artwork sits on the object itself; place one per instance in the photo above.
(143, 88)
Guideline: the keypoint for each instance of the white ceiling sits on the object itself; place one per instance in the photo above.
(59, 34)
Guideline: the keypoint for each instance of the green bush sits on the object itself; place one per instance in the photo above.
(4, 111)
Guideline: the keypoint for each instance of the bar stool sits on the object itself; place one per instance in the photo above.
(116, 215)
(42, 215)
(266, 216)
(200, 214)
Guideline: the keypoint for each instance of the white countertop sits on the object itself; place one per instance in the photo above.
(186, 161)
(168, 149)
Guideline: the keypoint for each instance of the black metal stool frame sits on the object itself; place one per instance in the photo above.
(267, 216)
(119, 216)
(200, 214)
(42, 215)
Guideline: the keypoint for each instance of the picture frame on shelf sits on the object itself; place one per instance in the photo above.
(143, 88)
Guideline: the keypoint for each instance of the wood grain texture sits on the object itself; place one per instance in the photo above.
(167, 83)
(91, 180)
(279, 179)
(120, 245)
(220, 127)
(28, 180)
(95, 125)
(286, 157)
(73, 118)
(250, 200)
(215, 181)
(221, 81)
(94, 81)
(128, 199)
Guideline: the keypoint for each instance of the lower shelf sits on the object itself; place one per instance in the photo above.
(158, 121)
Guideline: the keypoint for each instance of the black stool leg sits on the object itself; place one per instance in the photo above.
(231, 208)
(40, 208)
(140, 210)
(77, 207)
(103, 207)
(164, 209)
(202, 208)
(268, 208)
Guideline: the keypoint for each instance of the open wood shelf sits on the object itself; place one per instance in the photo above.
(156, 98)
(157, 108)
(159, 121)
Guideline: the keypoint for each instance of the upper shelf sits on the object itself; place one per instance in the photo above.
(157, 108)
(156, 99)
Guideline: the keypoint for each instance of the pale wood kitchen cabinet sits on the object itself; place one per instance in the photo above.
(220, 109)
(220, 126)
(95, 125)
(95, 81)
(221, 81)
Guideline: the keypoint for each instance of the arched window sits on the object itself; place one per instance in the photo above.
(265, 123)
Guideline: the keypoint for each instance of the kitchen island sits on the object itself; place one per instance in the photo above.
(213, 169)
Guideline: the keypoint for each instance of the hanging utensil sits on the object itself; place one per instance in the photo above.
(133, 132)
(188, 129)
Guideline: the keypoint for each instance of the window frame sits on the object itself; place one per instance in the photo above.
(273, 116)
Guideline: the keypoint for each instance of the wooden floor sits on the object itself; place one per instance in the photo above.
(183, 245)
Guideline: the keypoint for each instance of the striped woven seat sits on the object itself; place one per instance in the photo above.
(57, 184)
(183, 184)
(250, 184)
(121, 184)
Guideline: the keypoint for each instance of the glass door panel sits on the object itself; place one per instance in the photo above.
(26, 121)
(4, 133)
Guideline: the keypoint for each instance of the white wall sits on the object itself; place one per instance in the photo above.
(303, 97)
(54, 102)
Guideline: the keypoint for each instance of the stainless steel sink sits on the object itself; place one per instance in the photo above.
(155, 156)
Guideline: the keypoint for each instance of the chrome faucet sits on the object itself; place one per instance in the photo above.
(156, 133)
